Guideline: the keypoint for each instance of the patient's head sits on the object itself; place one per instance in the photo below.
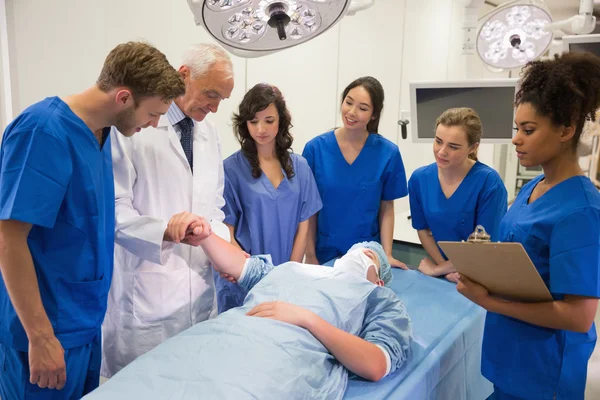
(368, 260)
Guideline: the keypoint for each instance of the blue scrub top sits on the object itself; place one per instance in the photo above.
(480, 199)
(352, 193)
(55, 176)
(561, 233)
(265, 219)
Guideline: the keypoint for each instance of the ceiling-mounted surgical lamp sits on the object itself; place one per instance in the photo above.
(254, 28)
(514, 34)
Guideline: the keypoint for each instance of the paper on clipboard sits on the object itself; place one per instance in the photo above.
(504, 269)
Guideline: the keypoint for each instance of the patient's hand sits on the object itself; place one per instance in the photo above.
(197, 231)
(284, 312)
(228, 277)
(427, 266)
(180, 225)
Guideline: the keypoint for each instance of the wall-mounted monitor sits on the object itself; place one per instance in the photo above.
(492, 99)
(581, 43)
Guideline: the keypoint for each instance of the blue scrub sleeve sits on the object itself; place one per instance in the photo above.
(388, 325)
(575, 254)
(491, 208)
(309, 154)
(35, 172)
(394, 179)
(257, 267)
(311, 200)
(417, 215)
(233, 207)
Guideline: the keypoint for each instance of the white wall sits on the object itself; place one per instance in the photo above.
(5, 84)
(59, 47)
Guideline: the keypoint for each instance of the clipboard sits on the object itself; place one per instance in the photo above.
(503, 268)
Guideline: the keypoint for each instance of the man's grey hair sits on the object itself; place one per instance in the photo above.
(200, 58)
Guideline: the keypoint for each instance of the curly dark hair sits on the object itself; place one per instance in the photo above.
(566, 89)
(257, 99)
(375, 90)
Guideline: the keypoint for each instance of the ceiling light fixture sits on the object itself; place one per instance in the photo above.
(253, 28)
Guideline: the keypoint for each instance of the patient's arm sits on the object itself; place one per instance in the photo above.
(358, 355)
(224, 256)
(227, 259)
(363, 358)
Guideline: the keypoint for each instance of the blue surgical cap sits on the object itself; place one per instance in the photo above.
(385, 269)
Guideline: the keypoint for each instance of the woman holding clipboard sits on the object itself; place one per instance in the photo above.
(541, 350)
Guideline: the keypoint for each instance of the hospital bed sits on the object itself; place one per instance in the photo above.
(444, 361)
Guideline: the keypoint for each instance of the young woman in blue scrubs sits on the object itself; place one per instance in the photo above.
(450, 197)
(541, 350)
(359, 174)
(270, 192)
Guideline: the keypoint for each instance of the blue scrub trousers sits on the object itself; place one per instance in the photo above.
(83, 374)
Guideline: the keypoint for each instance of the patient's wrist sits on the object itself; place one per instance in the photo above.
(310, 321)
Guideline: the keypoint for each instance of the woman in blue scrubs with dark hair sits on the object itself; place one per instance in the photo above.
(541, 350)
(359, 173)
(270, 192)
(450, 197)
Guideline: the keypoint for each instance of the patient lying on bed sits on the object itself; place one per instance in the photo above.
(299, 331)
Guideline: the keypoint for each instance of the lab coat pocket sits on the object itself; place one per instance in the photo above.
(159, 295)
(82, 305)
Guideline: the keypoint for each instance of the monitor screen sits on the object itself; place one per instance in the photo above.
(593, 48)
(582, 43)
(493, 104)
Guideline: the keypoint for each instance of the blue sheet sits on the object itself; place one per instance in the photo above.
(444, 362)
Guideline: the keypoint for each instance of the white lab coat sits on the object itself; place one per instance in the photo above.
(159, 288)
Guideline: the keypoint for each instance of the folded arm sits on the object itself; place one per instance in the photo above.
(437, 265)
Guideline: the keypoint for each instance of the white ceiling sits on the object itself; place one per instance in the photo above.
(563, 8)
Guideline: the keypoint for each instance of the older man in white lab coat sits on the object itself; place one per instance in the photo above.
(164, 177)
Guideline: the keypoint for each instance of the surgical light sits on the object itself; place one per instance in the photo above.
(514, 34)
(252, 28)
